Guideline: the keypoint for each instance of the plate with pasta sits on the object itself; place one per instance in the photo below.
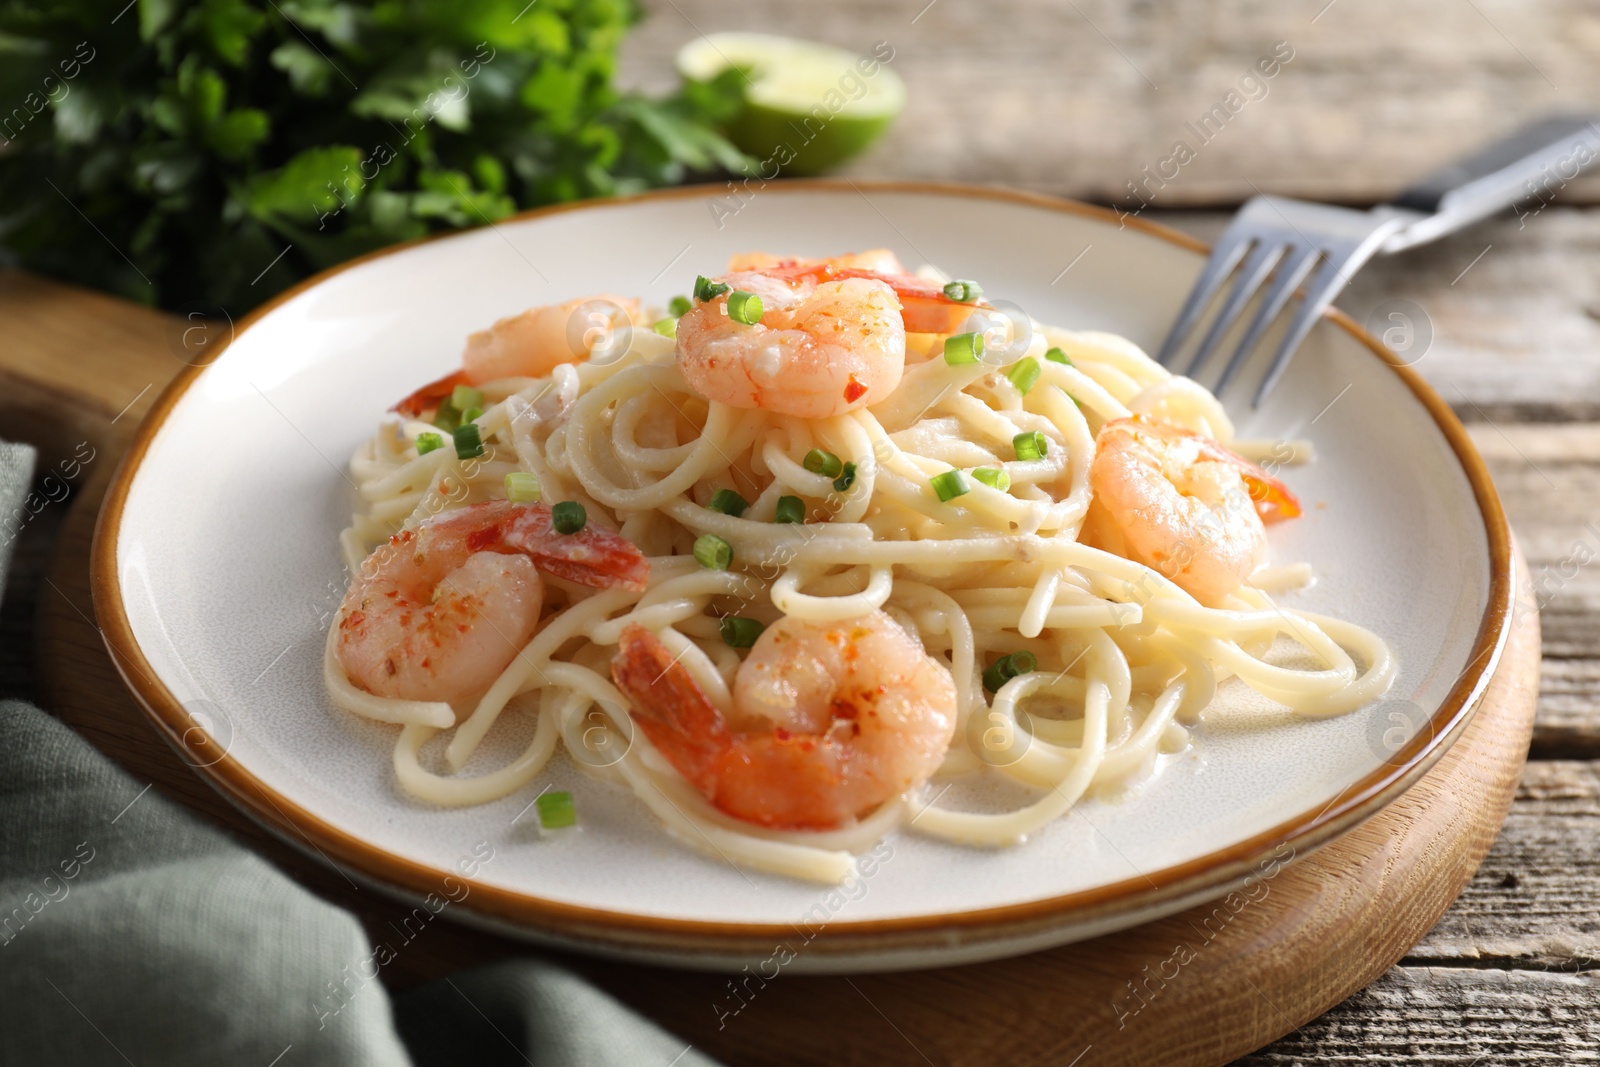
(841, 575)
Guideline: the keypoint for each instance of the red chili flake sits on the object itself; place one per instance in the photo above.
(388, 667)
(781, 734)
(854, 390)
(843, 709)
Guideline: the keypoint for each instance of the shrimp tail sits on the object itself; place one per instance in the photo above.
(669, 706)
(430, 395)
(594, 556)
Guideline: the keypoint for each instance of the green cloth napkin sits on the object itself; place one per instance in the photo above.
(132, 932)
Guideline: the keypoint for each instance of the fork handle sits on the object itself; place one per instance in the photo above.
(1530, 165)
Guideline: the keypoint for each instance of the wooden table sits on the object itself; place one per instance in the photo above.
(1076, 98)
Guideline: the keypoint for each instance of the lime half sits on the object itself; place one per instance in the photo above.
(808, 106)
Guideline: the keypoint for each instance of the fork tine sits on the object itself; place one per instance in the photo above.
(1330, 279)
(1263, 257)
(1224, 257)
(1292, 270)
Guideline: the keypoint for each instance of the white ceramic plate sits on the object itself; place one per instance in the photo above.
(216, 573)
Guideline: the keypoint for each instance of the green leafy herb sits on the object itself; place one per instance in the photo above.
(207, 154)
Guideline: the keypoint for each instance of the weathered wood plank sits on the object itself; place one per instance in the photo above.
(1077, 98)
(1536, 899)
(1439, 1015)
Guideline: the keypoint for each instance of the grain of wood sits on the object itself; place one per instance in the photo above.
(1078, 96)
(1544, 869)
(1453, 1017)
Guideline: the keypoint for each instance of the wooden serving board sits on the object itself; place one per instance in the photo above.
(1201, 987)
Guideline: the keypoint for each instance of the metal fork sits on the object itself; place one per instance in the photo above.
(1293, 240)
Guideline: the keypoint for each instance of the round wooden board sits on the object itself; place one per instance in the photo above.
(1201, 987)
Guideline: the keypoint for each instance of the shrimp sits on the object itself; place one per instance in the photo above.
(529, 345)
(829, 720)
(830, 338)
(1183, 504)
(440, 610)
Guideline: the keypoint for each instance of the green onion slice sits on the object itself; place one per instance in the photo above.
(446, 417)
(963, 348)
(678, 306)
(712, 552)
(744, 307)
(821, 462)
(427, 442)
(1006, 668)
(950, 485)
(666, 327)
(522, 487)
(469, 443)
(568, 517)
(740, 632)
(790, 509)
(1031, 445)
(705, 289)
(728, 502)
(963, 292)
(847, 478)
(993, 477)
(471, 415)
(1023, 373)
(1055, 355)
(463, 397)
(556, 811)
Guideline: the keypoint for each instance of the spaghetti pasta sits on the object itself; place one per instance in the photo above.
(1124, 657)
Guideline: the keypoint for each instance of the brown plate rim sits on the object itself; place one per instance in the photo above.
(562, 921)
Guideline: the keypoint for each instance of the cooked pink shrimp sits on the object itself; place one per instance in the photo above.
(880, 260)
(818, 351)
(831, 337)
(830, 720)
(1182, 504)
(529, 345)
(442, 609)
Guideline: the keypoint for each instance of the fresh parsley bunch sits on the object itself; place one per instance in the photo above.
(214, 152)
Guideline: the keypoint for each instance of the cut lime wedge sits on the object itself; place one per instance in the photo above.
(808, 106)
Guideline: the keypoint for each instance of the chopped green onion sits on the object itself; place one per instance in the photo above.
(471, 415)
(740, 632)
(790, 509)
(427, 442)
(846, 479)
(963, 292)
(963, 348)
(744, 307)
(950, 485)
(705, 289)
(469, 444)
(712, 552)
(1006, 668)
(556, 811)
(568, 517)
(678, 306)
(1031, 445)
(1023, 373)
(728, 502)
(1055, 355)
(446, 417)
(667, 327)
(993, 477)
(818, 461)
(463, 397)
(522, 487)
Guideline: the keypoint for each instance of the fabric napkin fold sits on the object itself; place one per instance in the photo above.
(133, 932)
